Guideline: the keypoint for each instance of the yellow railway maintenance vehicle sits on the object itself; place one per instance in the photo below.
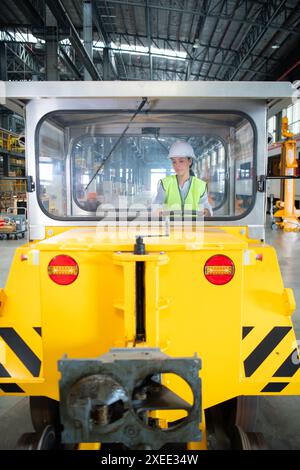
(131, 327)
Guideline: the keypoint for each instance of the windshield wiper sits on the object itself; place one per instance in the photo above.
(143, 102)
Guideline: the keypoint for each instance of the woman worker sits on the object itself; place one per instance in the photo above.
(183, 190)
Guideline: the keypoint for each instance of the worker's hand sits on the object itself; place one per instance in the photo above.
(206, 213)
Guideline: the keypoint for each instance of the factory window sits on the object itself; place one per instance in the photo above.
(293, 115)
(83, 166)
(52, 170)
(272, 129)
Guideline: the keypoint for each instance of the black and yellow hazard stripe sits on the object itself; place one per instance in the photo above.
(289, 367)
(274, 387)
(4, 372)
(10, 387)
(25, 354)
(246, 330)
(264, 349)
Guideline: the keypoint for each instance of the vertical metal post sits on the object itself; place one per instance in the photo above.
(6, 166)
(288, 212)
(88, 33)
(272, 207)
(106, 65)
(278, 137)
(51, 47)
(148, 28)
(3, 62)
(4, 120)
(278, 121)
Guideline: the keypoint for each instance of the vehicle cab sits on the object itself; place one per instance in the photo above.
(121, 296)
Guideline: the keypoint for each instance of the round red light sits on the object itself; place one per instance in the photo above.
(219, 269)
(63, 270)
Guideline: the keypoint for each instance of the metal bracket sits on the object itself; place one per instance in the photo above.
(261, 183)
(30, 185)
(108, 399)
(261, 180)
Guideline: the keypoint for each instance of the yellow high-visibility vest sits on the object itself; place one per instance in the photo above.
(174, 200)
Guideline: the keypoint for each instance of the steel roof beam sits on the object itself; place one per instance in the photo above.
(185, 44)
(87, 32)
(62, 17)
(236, 6)
(24, 57)
(163, 56)
(102, 33)
(211, 36)
(181, 73)
(107, 40)
(255, 34)
(226, 58)
(290, 20)
(99, 25)
(245, 20)
(31, 14)
(68, 62)
(148, 29)
(198, 35)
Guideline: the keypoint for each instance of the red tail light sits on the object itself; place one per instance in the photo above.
(63, 270)
(219, 269)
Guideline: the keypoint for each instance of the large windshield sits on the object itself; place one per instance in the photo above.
(84, 166)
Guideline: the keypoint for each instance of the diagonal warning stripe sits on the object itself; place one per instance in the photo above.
(289, 367)
(11, 388)
(264, 348)
(246, 331)
(274, 387)
(38, 329)
(4, 372)
(22, 350)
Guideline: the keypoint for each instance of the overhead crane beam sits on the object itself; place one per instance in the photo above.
(71, 66)
(62, 17)
(106, 41)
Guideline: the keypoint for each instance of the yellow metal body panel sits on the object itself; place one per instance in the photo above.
(242, 331)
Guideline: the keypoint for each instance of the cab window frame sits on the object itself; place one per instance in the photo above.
(116, 111)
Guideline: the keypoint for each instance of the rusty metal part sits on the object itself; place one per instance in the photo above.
(110, 398)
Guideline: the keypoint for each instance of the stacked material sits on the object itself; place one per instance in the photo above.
(7, 225)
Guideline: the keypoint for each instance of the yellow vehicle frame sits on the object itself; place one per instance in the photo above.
(244, 337)
(242, 331)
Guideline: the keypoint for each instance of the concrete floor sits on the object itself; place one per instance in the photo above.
(279, 417)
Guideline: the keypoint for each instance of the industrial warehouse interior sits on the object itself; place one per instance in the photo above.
(149, 226)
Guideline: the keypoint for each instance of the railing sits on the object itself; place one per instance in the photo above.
(10, 142)
(12, 185)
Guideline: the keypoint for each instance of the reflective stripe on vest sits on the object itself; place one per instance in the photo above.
(174, 200)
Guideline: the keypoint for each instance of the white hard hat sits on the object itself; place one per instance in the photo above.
(181, 149)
